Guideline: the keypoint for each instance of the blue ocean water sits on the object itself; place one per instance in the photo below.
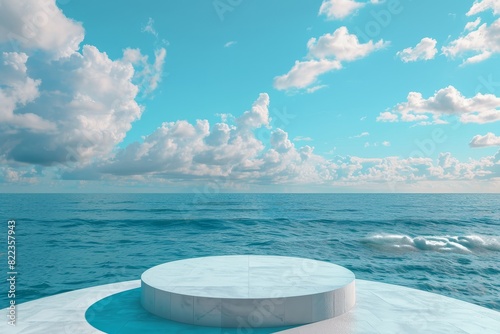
(443, 243)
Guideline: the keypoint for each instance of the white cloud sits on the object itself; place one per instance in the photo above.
(230, 43)
(90, 109)
(179, 148)
(342, 46)
(377, 144)
(280, 142)
(473, 24)
(256, 117)
(149, 27)
(61, 105)
(305, 73)
(17, 90)
(362, 134)
(325, 54)
(424, 50)
(39, 25)
(27, 175)
(387, 116)
(183, 152)
(315, 88)
(147, 76)
(225, 117)
(477, 58)
(157, 69)
(302, 138)
(363, 118)
(339, 9)
(415, 169)
(488, 139)
(484, 42)
(481, 108)
(483, 5)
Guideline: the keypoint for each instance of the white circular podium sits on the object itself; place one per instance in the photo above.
(247, 291)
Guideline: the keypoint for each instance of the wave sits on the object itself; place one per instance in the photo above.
(457, 244)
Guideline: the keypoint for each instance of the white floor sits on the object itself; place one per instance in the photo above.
(380, 308)
(62, 313)
(385, 308)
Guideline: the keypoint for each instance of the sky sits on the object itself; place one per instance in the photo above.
(249, 96)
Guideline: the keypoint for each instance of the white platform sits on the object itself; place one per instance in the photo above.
(380, 309)
(248, 291)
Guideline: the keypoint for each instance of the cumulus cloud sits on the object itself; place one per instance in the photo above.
(89, 103)
(200, 152)
(340, 9)
(489, 139)
(325, 54)
(352, 170)
(342, 46)
(185, 151)
(481, 108)
(473, 24)
(229, 44)
(387, 116)
(61, 105)
(29, 175)
(305, 73)
(147, 75)
(414, 169)
(17, 90)
(481, 43)
(30, 25)
(180, 148)
(483, 5)
(424, 50)
(256, 117)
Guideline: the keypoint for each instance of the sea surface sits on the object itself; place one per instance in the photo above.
(447, 243)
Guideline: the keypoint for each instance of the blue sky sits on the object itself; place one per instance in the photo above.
(327, 96)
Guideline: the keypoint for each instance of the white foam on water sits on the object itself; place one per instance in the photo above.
(459, 244)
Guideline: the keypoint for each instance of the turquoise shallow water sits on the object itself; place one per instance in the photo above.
(448, 244)
(122, 313)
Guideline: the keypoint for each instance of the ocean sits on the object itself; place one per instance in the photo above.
(443, 243)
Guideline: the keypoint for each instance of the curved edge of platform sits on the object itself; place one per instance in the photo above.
(250, 312)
